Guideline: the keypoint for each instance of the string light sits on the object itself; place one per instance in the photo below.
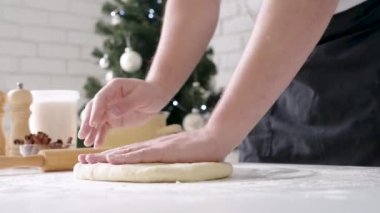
(151, 14)
(113, 13)
(122, 12)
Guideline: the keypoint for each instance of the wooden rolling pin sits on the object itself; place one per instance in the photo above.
(48, 160)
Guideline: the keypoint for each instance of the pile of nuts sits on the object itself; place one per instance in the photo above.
(44, 141)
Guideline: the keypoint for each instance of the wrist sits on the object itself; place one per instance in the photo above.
(165, 95)
(163, 88)
(223, 139)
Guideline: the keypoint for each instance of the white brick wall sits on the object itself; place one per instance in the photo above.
(45, 43)
(236, 21)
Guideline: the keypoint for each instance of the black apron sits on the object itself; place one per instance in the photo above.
(330, 113)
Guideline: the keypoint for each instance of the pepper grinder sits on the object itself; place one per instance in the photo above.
(19, 101)
(2, 136)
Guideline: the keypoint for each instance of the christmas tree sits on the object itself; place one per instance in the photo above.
(131, 33)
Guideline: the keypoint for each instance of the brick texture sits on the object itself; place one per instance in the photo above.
(47, 43)
(237, 19)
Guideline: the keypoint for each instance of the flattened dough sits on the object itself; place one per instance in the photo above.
(183, 172)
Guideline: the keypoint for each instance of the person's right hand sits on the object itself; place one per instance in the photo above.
(122, 102)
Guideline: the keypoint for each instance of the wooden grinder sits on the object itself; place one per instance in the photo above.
(19, 101)
(2, 136)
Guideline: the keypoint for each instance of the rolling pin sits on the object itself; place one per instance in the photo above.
(48, 160)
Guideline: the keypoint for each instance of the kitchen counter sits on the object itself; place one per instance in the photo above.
(251, 188)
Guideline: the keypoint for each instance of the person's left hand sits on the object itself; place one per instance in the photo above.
(183, 147)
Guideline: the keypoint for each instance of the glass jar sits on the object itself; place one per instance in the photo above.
(55, 112)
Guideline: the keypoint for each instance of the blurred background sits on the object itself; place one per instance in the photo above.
(58, 44)
(47, 44)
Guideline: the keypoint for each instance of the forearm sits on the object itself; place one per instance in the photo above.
(187, 29)
(284, 35)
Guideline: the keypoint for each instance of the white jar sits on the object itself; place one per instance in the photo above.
(54, 112)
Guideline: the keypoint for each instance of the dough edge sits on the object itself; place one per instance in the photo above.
(153, 172)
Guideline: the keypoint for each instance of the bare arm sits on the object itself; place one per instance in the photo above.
(187, 30)
(284, 35)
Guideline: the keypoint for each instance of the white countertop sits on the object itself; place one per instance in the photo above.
(252, 188)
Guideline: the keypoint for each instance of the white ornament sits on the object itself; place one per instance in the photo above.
(130, 61)
(104, 62)
(109, 76)
(115, 19)
(193, 121)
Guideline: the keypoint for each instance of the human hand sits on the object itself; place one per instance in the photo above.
(122, 102)
(184, 147)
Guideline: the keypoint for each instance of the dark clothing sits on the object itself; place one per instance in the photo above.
(330, 113)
